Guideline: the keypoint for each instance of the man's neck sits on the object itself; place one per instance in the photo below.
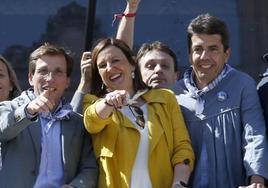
(57, 104)
(200, 84)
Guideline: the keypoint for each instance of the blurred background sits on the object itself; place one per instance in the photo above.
(77, 24)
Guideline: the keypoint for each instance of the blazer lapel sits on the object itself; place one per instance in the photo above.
(35, 133)
(67, 132)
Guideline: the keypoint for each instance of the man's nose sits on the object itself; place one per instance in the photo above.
(204, 55)
(49, 75)
(158, 68)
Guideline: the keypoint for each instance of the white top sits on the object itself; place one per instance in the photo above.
(140, 174)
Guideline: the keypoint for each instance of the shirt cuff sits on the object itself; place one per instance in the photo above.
(31, 117)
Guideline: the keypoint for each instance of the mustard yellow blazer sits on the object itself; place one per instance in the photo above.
(115, 141)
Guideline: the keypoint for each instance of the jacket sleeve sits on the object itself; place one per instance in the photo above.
(182, 143)
(253, 137)
(13, 119)
(77, 102)
(87, 176)
(263, 93)
(93, 123)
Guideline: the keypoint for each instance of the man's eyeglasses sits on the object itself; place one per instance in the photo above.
(138, 114)
(45, 73)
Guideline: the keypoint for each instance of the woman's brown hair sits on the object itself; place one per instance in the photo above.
(13, 79)
(97, 83)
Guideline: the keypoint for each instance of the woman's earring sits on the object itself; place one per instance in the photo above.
(102, 86)
(133, 75)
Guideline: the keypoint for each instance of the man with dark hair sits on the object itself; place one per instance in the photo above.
(222, 112)
(158, 65)
(44, 143)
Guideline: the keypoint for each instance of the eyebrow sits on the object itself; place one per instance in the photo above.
(150, 61)
(46, 67)
(209, 46)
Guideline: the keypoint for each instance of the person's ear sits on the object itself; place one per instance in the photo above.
(227, 55)
(190, 58)
(134, 58)
(68, 82)
(176, 75)
(30, 79)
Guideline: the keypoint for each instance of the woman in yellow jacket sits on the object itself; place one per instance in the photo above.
(139, 136)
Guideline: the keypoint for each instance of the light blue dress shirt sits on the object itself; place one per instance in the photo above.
(51, 173)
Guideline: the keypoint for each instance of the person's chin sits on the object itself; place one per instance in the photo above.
(156, 85)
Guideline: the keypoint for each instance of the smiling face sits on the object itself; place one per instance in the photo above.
(207, 57)
(5, 83)
(157, 69)
(50, 74)
(115, 69)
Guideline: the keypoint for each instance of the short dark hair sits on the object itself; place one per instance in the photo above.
(207, 24)
(52, 50)
(13, 79)
(157, 45)
(96, 78)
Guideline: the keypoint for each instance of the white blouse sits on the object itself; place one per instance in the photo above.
(140, 173)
